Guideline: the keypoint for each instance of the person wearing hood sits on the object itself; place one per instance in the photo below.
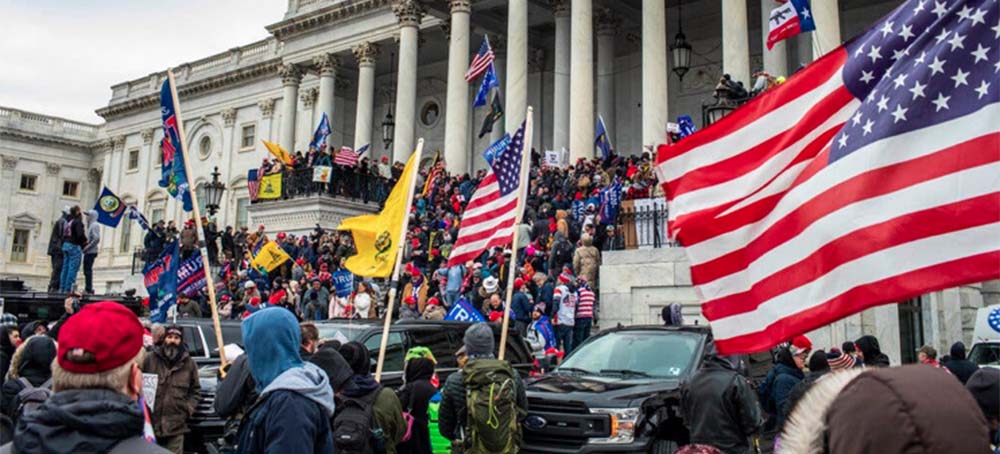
(719, 407)
(97, 382)
(415, 396)
(90, 250)
(362, 388)
(587, 259)
(870, 351)
(787, 372)
(178, 389)
(10, 338)
(984, 386)
(958, 365)
(33, 360)
(819, 366)
(293, 411)
(55, 249)
(234, 395)
(74, 239)
(908, 409)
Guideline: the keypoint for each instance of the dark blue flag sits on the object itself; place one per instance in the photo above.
(343, 283)
(611, 202)
(322, 132)
(110, 208)
(602, 140)
(498, 146)
(489, 82)
(464, 312)
(686, 125)
(137, 216)
(174, 174)
(544, 328)
(160, 278)
(191, 275)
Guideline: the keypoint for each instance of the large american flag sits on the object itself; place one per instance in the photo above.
(488, 220)
(869, 177)
(481, 61)
(253, 182)
(346, 157)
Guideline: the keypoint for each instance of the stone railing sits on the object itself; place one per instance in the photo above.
(30, 121)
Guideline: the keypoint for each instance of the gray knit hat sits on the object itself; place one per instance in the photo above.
(479, 340)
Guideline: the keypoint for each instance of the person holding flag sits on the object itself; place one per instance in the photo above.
(602, 140)
(321, 134)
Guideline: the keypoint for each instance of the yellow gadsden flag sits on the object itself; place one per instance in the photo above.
(375, 235)
(278, 152)
(270, 187)
(270, 257)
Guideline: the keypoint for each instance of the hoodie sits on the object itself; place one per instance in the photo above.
(34, 366)
(873, 355)
(272, 340)
(960, 367)
(93, 232)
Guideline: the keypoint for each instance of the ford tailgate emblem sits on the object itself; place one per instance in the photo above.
(535, 422)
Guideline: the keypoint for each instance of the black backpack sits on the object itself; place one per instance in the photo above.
(31, 397)
(355, 430)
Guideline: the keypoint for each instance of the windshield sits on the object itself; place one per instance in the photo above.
(985, 354)
(635, 353)
(342, 332)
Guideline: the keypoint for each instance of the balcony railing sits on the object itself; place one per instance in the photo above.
(642, 224)
(346, 183)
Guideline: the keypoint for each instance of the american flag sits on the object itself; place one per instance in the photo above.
(346, 157)
(869, 177)
(253, 182)
(488, 220)
(481, 61)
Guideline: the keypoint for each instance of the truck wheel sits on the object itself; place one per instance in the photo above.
(663, 447)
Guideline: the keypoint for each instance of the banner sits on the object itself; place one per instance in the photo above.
(611, 202)
(343, 282)
(191, 275)
(554, 158)
(173, 175)
(496, 148)
(270, 257)
(544, 328)
(160, 279)
(321, 174)
(270, 187)
(109, 208)
(464, 312)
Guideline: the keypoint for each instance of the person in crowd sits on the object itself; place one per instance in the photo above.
(521, 306)
(339, 307)
(315, 301)
(719, 407)
(959, 366)
(361, 390)
(672, 314)
(228, 240)
(31, 369)
(90, 251)
(584, 318)
(178, 389)
(408, 310)
(886, 411)
(480, 374)
(189, 239)
(787, 372)
(74, 239)
(455, 275)
(494, 309)
(187, 307)
(310, 340)
(415, 396)
(234, 395)
(851, 349)
(97, 381)
(544, 293)
(870, 352)
(55, 250)
(362, 301)
(819, 366)
(249, 292)
(295, 403)
(839, 360)
(984, 385)
(10, 338)
(565, 301)
(154, 240)
(928, 355)
(434, 310)
(417, 287)
(587, 260)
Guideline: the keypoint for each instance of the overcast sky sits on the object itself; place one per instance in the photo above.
(60, 57)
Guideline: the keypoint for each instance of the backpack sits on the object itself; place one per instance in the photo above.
(31, 397)
(490, 397)
(354, 428)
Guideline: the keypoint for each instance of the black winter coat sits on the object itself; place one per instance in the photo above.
(720, 408)
(415, 396)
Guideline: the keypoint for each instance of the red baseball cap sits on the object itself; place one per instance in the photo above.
(107, 330)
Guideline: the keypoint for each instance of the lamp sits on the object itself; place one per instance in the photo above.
(213, 192)
(389, 125)
(724, 103)
(680, 50)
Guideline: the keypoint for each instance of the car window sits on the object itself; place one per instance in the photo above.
(655, 354)
(192, 340)
(395, 350)
(440, 343)
(231, 334)
(342, 332)
(985, 354)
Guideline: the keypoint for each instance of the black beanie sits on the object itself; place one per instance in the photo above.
(356, 355)
(984, 385)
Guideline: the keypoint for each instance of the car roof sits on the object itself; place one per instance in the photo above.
(697, 329)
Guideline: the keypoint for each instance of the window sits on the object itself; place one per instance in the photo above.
(133, 159)
(394, 350)
(439, 341)
(156, 215)
(205, 147)
(126, 240)
(71, 188)
(430, 113)
(248, 136)
(241, 211)
(19, 248)
(28, 182)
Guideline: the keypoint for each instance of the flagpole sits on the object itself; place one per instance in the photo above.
(393, 282)
(521, 191)
(209, 282)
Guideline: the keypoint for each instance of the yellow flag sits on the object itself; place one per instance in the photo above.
(375, 235)
(270, 187)
(270, 257)
(278, 152)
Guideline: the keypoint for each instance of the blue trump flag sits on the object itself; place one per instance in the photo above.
(160, 278)
(489, 82)
(174, 173)
(464, 312)
(343, 283)
(137, 216)
(493, 150)
(110, 208)
(686, 125)
(322, 132)
(191, 275)
(602, 140)
(611, 201)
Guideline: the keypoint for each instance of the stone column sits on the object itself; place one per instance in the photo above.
(517, 64)
(290, 78)
(560, 75)
(409, 13)
(581, 81)
(654, 72)
(327, 88)
(308, 98)
(365, 53)
(607, 25)
(826, 37)
(776, 59)
(735, 48)
(456, 128)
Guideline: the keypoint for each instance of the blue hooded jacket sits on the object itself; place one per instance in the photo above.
(293, 411)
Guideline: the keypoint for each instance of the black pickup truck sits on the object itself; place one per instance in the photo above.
(619, 392)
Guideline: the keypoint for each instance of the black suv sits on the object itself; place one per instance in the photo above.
(618, 392)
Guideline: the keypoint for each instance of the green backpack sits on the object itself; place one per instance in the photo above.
(491, 398)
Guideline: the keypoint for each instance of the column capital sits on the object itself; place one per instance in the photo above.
(560, 8)
(118, 142)
(308, 97)
(147, 134)
(409, 12)
(460, 6)
(366, 53)
(290, 74)
(266, 107)
(94, 175)
(327, 64)
(9, 162)
(606, 22)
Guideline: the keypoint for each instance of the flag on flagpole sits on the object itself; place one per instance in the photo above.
(602, 140)
(489, 82)
(432, 174)
(869, 177)
(789, 19)
(174, 174)
(191, 275)
(322, 132)
(110, 208)
(253, 183)
(278, 151)
(362, 150)
(160, 279)
(483, 59)
(137, 216)
(495, 114)
(488, 220)
(346, 157)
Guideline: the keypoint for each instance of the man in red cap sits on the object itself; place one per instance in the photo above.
(178, 389)
(97, 380)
